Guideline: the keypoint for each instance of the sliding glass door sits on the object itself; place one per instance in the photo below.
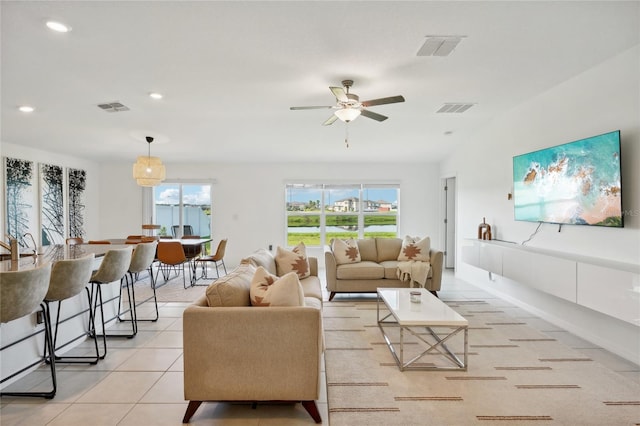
(183, 209)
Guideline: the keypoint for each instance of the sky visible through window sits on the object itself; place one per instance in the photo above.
(192, 194)
(386, 194)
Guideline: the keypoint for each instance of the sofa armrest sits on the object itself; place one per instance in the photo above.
(313, 266)
(330, 267)
(437, 263)
(252, 353)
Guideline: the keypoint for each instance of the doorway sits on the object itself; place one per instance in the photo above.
(449, 189)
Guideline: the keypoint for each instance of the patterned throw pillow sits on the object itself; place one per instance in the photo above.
(345, 251)
(269, 290)
(293, 261)
(415, 249)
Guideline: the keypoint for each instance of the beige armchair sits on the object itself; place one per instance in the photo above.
(252, 354)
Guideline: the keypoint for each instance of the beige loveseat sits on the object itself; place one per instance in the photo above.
(237, 352)
(378, 267)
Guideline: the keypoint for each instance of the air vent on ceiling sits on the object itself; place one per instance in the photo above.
(439, 45)
(454, 108)
(113, 107)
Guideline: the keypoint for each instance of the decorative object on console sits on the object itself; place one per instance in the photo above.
(149, 171)
(484, 230)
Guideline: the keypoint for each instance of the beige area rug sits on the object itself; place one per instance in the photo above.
(517, 375)
(171, 291)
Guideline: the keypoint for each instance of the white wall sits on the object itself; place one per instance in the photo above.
(248, 198)
(599, 100)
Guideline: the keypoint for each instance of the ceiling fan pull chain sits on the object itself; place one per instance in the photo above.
(346, 134)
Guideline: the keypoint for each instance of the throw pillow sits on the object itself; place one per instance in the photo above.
(270, 290)
(232, 289)
(345, 251)
(415, 249)
(293, 261)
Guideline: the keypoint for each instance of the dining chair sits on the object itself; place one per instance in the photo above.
(113, 267)
(68, 279)
(216, 258)
(74, 240)
(186, 230)
(171, 256)
(144, 254)
(21, 293)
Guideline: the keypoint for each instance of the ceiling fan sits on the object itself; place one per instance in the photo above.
(349, 107)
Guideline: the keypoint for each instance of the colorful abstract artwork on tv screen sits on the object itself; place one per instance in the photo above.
(576, 183)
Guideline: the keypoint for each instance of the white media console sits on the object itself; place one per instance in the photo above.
(606, 286)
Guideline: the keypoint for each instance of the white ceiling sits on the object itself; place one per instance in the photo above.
(229, 72)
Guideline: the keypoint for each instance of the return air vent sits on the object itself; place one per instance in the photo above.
(436, 45)
(113, 107)
(454, 108)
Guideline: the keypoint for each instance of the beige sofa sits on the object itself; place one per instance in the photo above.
(236, 352)
(377, 268)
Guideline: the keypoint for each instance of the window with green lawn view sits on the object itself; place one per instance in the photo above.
(317, 213)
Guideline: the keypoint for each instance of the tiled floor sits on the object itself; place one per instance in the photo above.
(139, 383)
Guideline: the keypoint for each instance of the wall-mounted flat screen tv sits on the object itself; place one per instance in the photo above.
(577, 183)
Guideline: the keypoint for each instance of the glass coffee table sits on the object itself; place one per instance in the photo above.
(419, 320)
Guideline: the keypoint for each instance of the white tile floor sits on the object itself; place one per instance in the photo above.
(139, 383)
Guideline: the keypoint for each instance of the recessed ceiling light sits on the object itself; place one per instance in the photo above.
(155, 95)
(26, 108)
(58, 26)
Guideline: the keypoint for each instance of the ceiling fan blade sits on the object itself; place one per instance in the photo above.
(330, 120)
(311, 107)
(339, 93)
(373, 115)
(382, 101)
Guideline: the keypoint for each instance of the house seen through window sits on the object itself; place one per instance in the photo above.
(317, 213)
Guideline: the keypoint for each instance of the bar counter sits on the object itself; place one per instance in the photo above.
(56, 252)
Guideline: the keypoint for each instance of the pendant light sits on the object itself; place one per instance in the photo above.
(148, 171)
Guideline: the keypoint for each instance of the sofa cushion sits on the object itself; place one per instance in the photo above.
(313, 303)
(367, 248)
(388, 248)
(390, 269)
(415, 249)
(345, 251)
(232, 289)
(311, 287)
(270, 290)
(360, 271)
(292, 261)
(262, 258)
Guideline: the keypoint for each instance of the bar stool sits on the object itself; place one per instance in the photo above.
(142, 259)
(114, 266)
(68, 279)
(21, 293)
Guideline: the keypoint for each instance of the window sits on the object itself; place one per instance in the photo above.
(316, 213)
(183, 209)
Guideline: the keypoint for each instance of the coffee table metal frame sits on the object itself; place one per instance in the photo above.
(419, 319)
